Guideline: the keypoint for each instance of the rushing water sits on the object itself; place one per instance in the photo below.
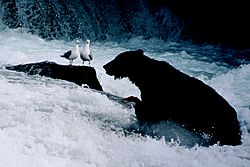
(47, 122)
(50, 123)
(113, 20)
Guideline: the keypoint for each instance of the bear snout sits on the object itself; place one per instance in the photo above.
(107, 69)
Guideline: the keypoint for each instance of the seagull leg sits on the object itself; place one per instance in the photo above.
(70, 62)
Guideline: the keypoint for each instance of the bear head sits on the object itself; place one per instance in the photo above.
(125, 64)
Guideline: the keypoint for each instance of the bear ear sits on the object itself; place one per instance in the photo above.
(140, 52)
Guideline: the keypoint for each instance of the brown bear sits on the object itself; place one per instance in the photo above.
(169, 94)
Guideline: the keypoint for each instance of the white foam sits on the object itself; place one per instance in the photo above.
(235, 87)
(51, 123)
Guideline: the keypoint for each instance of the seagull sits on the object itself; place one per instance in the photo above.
(72, 54)
(85, 53)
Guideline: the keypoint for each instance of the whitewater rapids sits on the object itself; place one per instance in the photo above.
(51, 123)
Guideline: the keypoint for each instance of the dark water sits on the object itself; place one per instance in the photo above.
(94, 19)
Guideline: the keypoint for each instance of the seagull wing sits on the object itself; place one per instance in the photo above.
(66, 54)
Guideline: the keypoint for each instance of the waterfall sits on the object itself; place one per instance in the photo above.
(100, 20)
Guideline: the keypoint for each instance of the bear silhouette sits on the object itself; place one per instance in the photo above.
(169, 94)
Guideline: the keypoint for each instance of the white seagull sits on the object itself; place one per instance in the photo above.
(85, 53)
(72, 54)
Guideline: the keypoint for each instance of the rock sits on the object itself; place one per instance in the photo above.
(81, 75)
